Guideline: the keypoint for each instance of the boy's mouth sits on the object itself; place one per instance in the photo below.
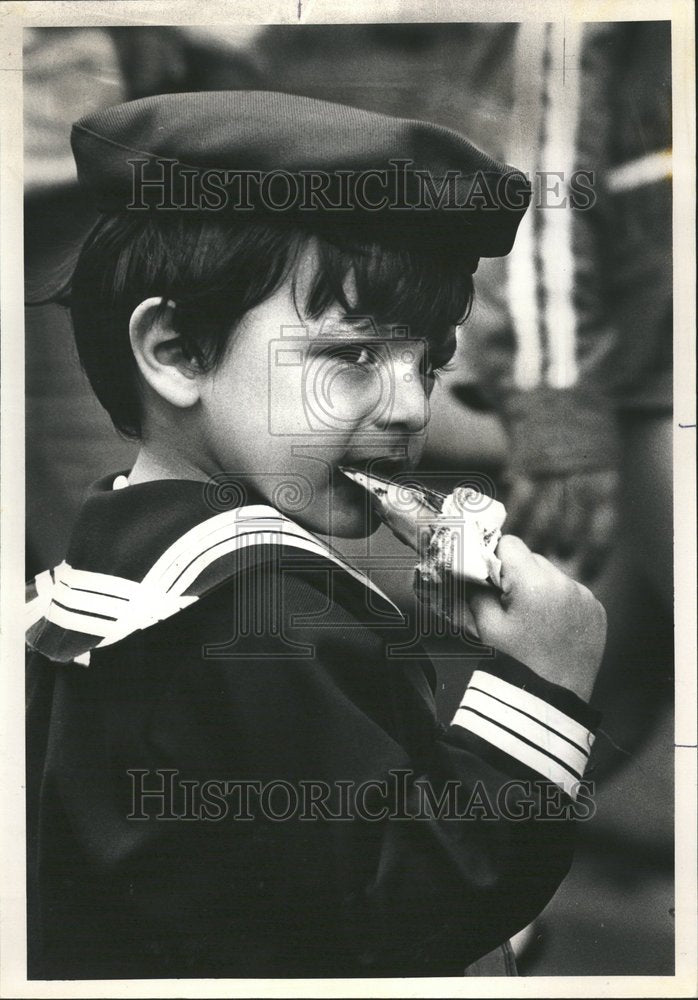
(385, 467)
(407, 510)
(379, 486)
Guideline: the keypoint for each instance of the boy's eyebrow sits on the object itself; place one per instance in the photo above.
(367, 326)
(350, 327)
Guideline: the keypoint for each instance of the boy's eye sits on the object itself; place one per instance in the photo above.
(365, 355)
(438, 358)
(355, 354)
(434, 366)
(362, 355)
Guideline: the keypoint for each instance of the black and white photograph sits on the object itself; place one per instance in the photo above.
(348, 499)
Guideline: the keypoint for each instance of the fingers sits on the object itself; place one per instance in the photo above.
(544, 618)
(522, 571)
(487, 613)
(515, 556)
(512, 550)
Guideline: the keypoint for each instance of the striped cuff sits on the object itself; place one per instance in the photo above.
(527, 728)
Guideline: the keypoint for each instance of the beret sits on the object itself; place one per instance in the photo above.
(309, 159)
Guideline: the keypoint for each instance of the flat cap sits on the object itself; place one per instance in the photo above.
(282, 153)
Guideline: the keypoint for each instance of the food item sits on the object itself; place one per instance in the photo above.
(455, 535)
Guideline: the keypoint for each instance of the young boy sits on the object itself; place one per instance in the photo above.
(232, 771)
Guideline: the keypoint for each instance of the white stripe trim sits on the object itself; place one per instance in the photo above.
(270, 527)
(543, 738)
(523, 301)
(98, 604)
(522, 279)
(161, 592)
(173, 560)
(517, 749)
(176, 568)
(559, 155)
(646, 169)
(155, 603)
(261, 536)
(525, 701)
(77, 622)
(104, 583)
(150, 608)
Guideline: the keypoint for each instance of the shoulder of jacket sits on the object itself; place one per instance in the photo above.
(71, 611)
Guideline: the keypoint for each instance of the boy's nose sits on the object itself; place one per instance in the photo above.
(408, 408)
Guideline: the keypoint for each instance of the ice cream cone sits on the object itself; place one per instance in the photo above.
(454, 534)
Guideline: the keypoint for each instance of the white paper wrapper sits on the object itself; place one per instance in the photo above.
(464, 539)
(454, 535)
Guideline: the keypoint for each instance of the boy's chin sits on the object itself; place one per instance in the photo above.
(343, 511)
(341, 524)
(354, 528)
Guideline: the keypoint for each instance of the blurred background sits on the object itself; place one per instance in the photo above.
(560, 398)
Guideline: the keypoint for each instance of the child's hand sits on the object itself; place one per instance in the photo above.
(542, 618)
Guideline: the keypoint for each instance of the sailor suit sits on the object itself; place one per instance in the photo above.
(177, 649)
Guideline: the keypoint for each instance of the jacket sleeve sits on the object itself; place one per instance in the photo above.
(543, 344)
(373, 840)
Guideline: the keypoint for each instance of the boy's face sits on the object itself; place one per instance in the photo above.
(293, 400)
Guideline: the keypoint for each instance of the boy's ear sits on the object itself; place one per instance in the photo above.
(159, 353)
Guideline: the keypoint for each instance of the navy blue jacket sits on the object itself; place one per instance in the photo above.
(176, 650)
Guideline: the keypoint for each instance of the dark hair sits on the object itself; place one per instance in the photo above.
(215, 269)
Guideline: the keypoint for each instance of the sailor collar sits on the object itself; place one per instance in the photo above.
(141, 554)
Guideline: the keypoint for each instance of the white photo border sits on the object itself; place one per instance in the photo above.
(15, 17)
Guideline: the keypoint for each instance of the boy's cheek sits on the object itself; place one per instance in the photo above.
(310, 393)
(326, 408)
